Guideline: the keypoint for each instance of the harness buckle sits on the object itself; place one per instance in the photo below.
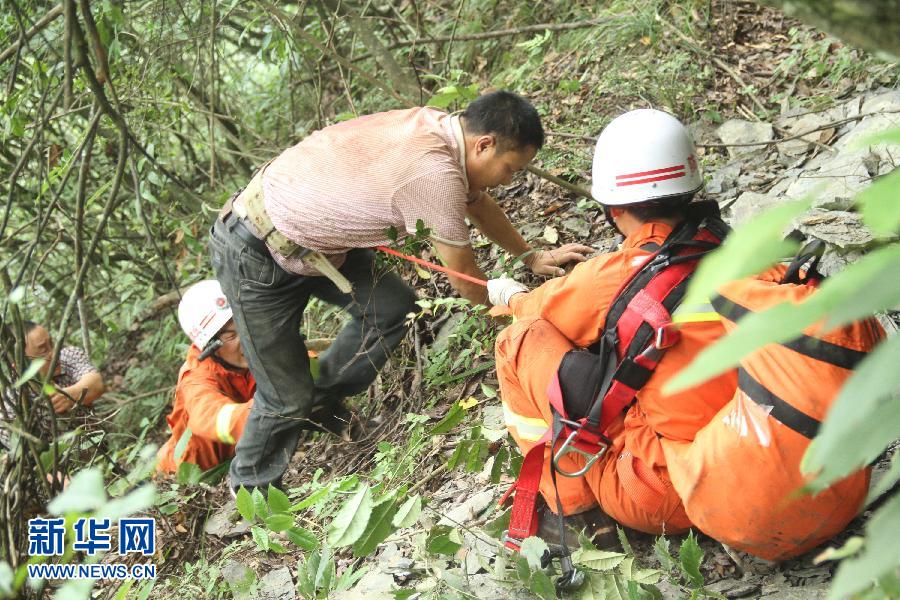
(666, 336)
(569, 446)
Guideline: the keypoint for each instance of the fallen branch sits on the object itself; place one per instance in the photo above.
(559, 181)
(51, 15)
(802, 133)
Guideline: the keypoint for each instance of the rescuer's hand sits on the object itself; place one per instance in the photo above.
(551, 262)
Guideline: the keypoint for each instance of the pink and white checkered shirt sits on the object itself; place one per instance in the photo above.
(345, 185)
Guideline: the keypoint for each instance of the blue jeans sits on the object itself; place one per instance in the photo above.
(268, 304)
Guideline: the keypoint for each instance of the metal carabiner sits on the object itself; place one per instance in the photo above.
(568, 447)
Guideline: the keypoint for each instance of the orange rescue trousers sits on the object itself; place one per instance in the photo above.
(635, 494)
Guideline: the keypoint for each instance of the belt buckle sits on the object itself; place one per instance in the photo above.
(568, 446)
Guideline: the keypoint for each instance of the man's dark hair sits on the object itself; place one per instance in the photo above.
(510, 117)
(28, 326)
(672, 207)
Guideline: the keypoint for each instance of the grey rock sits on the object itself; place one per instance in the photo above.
(226, 522)
(838, 179)
(485, 587)
(804, 144)
(702, 132)
(783, 592)
(374, 585)
(724, 179)
(841, 229)
(731, 588)
(447, 331)
(750, 204)
(239, 577)
(737, 131)
(882, 102)
(492, 416)
(470, 509)
(276, 585)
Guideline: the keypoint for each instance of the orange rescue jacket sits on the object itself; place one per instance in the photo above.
(577, 305)
(740, 479)
(214, 402)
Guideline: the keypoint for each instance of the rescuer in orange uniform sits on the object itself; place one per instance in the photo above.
(215, 388)
(645, 174)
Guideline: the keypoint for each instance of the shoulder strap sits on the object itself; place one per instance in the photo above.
(632, 342)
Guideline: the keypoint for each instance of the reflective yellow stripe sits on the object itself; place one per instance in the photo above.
(223, 424)
(695, 313)
(527, 428)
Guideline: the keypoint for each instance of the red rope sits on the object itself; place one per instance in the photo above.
(431, 266)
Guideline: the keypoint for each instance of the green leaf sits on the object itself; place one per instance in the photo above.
(261, 537)
(325, 572)
(279, 522)
(6, 579)
(880, 557)
(181, 446)
(136, 501)
(488, 391)
(756, 245)
(623, 539)
(260, 506)
(598, 560)
(850, 547)
(542, 586)
(690, 555)
(497, 526)
(874, 289)
(887, 480)
(189, 473)
(523, 571)
(84, 493)
(352, 519)
(302, 538)
(408, 513)
(863, 420)
(276, 547)
(534, 549)
(245, 504)
(30, 372)
(880, 209)
(439, 541)
(453, 418)
(593, 588)
(312, 499)
(497, 466)
(378, 528)
(661, 549)
(278, 500)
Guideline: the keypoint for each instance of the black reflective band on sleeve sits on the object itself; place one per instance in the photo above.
(781, 410)
(813, 347)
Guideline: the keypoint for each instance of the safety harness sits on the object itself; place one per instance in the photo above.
(594, 385)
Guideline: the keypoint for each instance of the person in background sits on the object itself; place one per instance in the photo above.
(215, 388)
(76, 379)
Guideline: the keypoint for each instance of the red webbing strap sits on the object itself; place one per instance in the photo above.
(523, 517)
(647, 307)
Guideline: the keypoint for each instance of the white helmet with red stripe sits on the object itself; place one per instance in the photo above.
(644, 155)
(203, 311)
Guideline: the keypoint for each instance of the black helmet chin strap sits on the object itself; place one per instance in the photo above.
(607, 213)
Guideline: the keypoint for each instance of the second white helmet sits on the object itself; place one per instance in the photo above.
(203, 311)
(644, 155)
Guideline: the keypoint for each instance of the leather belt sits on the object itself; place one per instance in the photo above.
(237, 226)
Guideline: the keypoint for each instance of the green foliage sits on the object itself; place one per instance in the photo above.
(353, 518)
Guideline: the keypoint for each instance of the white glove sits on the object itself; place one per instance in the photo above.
(502, 289)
